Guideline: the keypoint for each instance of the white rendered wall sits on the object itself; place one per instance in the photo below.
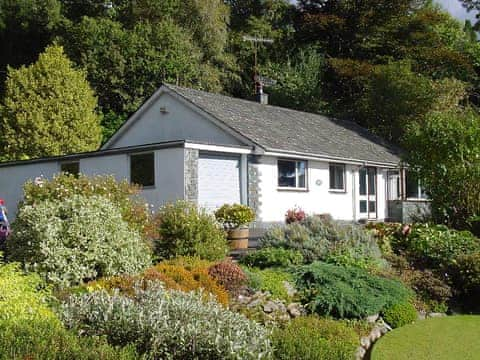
(169, 179)
(12, 179)
(318, 199)
(180, 122)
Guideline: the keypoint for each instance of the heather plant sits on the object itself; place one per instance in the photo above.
(229, 275)
(121, 193)
(186, 230)
(76, 239)
(167, 325)
(272, 257)
(274, 281)
(172, 276)
(347, 292)
(312, 338)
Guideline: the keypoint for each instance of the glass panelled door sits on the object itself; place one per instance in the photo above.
(367, 193)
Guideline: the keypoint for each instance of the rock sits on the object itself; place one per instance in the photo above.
(270, 307)
(372, 318)
(436, 315)
(384, 330)
(375, 334)
(294, 309)
(291, 291)
(255, 302)
(360, 353)
(365, 342)
(422, 315)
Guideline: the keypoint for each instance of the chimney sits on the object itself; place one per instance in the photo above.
(260, 96)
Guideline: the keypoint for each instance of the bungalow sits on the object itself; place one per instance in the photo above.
(213, 149)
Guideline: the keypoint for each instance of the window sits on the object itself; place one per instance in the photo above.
(414, 189)
(337, 177)
(142, 169)
(292, 174)
(72, 168)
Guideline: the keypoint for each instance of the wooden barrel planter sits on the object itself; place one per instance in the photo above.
(238, 238)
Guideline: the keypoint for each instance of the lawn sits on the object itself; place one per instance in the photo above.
(454, 337)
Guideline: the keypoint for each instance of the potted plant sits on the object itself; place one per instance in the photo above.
(235, 219)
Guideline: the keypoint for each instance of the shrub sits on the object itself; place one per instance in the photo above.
(466, 273)
(312, 338)
(294, 215)
(400, 314)
(174, 277)
(167, 324)
(22, 296)
(48, 340)
(185, 230)
(233, 216)
(275, 281)
(229, 275)
(319, 238)
(433, 291)
(76, 239)
(436, 246)
(272, 257)
(348, 292)
(122, 194)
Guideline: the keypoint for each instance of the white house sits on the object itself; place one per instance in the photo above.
(213, 149)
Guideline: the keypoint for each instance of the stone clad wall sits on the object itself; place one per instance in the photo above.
(191, 174)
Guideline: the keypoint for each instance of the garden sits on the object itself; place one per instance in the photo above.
(91, 272)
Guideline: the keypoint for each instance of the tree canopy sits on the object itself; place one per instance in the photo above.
(48, 109)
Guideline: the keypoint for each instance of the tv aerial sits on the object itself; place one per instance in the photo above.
(260, 80)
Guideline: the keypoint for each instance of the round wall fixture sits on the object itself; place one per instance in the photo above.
(318, 182)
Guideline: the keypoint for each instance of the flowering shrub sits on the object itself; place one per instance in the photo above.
(233, 216)
(185, 230)
(122, 194)
(400, 314)
(167, 325)
(21, 297)
(229, 275)
(76, 239)
(295, 215)
(176, 277)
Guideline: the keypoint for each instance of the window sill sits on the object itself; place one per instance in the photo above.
(417, 200)
(337, 191)
(292, 189)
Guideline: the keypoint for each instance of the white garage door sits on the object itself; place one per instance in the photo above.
(218, 181)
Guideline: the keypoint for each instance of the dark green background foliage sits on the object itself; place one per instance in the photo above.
(348, 292)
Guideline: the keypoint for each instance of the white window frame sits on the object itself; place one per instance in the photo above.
(344, 171)
(296, 187)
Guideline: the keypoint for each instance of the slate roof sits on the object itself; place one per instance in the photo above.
(280, 129)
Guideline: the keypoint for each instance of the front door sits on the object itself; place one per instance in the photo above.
(367, 200)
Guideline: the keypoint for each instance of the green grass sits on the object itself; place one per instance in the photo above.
(452, 338)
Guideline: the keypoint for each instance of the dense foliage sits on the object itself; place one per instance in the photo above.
(274, 281)
(229, 275)
(76, 239)
(22, 296)
(311, 338)
(48, 109)
(349, 292)
(319, 238)
(48, 340)
(167, 324)
(122, 194)
(272, 257)
(400, 314)
(233, 216)
(186, 230)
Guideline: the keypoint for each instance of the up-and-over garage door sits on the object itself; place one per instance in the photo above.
(218, 180)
